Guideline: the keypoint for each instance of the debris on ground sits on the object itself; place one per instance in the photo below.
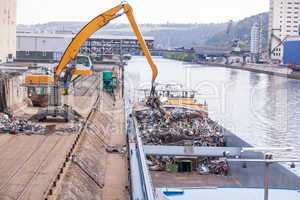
(116, 149)
(10, 124)
(70, 129)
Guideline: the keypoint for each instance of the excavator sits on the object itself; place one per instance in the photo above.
(68, 66)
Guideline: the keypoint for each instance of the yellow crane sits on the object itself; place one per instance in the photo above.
(73, 49)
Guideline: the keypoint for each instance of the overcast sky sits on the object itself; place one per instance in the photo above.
(146, 11)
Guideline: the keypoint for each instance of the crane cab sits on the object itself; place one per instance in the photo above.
(84, 66)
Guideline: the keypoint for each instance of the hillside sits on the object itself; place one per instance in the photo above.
(241, 30)
(170, 35)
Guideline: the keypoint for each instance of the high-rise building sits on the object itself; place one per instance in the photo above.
(256, 42)
(7, 30)
(283, 22)
(255, 46)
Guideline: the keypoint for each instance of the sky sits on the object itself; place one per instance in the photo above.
(146, 11)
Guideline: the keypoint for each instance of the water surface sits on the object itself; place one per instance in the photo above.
(262, 109)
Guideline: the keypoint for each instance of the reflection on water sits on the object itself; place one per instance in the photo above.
(262, 109)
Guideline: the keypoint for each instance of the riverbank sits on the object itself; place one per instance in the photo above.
(259, 68)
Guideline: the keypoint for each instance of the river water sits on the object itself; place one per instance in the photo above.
(262, 109)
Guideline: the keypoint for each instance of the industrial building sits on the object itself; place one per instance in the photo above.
(283, 22)
(8, 30)
(50, 47)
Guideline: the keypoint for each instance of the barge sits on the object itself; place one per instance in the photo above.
(190, 153)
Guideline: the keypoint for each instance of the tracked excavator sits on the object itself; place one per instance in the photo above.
(68, 67)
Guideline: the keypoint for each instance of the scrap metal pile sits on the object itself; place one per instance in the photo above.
(10, 124)
(205, 166)
(183, 126)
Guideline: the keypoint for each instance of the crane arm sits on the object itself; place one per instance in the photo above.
(96, 24)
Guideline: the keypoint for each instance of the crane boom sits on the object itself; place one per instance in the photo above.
(96, 24)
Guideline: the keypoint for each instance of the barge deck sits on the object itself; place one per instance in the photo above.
(191, 138)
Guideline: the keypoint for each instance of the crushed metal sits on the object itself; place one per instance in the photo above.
(185, 126)
(10, 124)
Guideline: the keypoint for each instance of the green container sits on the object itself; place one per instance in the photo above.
(108, 81)
(107, 75)
(173, 168)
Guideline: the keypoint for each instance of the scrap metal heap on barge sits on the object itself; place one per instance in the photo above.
(187, 124)
(181, 144)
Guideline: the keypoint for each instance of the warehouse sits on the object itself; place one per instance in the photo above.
(50, 47)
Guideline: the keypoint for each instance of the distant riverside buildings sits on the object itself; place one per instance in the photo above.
(50, 47)
(7, 30)
(283, 23)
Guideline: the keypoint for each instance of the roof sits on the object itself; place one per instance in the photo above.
(107, 37)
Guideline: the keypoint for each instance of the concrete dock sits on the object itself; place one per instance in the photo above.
(69, 163)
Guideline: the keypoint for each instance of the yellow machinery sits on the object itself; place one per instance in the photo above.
(73, 49)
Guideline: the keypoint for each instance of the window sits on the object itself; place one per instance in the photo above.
(44, 53)
(27, 53)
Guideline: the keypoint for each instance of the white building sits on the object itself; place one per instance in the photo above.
(255, 46)
(283, 22)
(7, 30)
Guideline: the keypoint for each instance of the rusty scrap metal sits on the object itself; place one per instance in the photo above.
(186, 125)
